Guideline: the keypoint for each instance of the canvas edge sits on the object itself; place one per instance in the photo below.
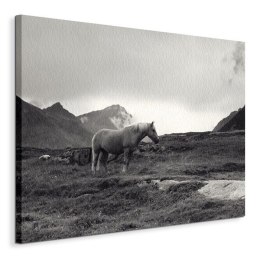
(18, 132)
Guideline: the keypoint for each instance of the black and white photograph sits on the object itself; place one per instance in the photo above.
(119, 129)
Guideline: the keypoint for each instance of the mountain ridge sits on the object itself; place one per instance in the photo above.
(42, 128)
(234, 121)
(56, 127)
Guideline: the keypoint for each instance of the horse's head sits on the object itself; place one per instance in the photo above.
(151, 133)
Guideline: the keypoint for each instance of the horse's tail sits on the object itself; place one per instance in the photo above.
(95, 144)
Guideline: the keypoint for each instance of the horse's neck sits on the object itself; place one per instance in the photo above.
(141, 133)
(135, 136)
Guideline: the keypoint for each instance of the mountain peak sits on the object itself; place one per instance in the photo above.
(53, 127)
(58, 110)
(111, 117)
(55, 106)
(115, 107)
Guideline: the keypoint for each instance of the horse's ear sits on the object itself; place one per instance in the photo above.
(152, 124)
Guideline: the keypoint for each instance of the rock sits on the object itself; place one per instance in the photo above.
(166, 184)
(44, 157)
(224, 189)
(141, 149)
(214, 189)
(81, 157)
(74, 156)
(154, 148)
(61, 160)
(163, 148)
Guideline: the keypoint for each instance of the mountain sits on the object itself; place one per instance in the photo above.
(57, 110)
(112, 117)
(53, 127)
(235, 121)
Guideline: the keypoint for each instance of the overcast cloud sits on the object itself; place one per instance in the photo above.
(183, 83)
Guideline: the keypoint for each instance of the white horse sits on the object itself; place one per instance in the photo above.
(116, 142)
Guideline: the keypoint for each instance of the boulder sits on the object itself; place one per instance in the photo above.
(44, 157)
(224, 189)
(81, 157)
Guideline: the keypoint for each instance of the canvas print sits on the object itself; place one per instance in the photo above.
(121, 129)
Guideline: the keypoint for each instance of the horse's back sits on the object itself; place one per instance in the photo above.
(108, 140)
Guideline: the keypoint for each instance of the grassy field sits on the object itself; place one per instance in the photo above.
(58, 200)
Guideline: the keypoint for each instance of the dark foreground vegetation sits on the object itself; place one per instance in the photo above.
(58, 200)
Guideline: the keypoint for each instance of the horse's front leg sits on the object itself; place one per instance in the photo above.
(127, 155)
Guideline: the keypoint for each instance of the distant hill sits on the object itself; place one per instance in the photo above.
(235, 121)
(112, 117)
(53, 127)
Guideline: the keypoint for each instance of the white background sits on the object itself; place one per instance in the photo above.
(236, 20)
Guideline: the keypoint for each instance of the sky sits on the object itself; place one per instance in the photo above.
(183, 83)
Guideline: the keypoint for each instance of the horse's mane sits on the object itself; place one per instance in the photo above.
(137, 127)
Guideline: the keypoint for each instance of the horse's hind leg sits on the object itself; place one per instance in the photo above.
(103, 159)
(95, 155)
(127, 156)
